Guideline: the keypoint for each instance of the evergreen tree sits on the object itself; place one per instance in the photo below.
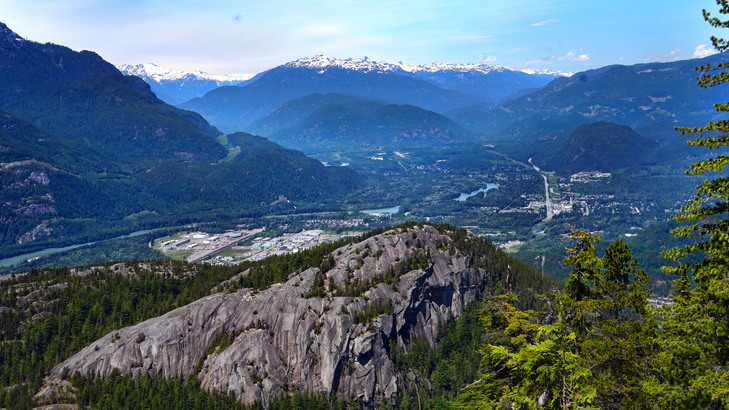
(591, 350)
(694, 363)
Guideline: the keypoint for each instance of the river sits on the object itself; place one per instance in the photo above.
(489, 187)
(50, 251)
(381, 211)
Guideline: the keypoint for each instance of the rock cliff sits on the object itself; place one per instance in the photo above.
(398, 286)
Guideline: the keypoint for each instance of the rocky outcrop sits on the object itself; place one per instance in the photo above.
(284, 340)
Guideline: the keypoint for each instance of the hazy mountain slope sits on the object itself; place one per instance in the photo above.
(57, 192)
(94, 154)
(650, 98)
(598, 146)
(369, 123)
(79, 96)
(259, 174)
(488, 83)
(446, 86)
(295, 111)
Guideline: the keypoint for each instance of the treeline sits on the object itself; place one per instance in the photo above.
(158, 393)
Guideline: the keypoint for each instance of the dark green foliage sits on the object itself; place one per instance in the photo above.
(593, 347)
(450, 366)
(81, 97)
(221, 342)
(318, 288)
(149, 392)
(372, 310)
(693, 362)
(158, 393)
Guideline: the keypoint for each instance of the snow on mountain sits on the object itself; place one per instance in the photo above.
(321, 62)
(160, 74)
(542, 71)
(448, 66)
(177, 86)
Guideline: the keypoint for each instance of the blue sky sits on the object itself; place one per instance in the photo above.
(228, 36)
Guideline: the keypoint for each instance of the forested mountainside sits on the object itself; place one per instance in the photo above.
(79, 96)
(87, 153)
(344, 124)
(598, 146)
(413, 316)
(339, 316)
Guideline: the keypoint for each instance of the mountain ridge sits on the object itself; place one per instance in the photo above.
(361, 122)
(79, 96)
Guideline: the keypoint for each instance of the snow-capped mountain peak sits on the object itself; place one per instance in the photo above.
(159, 74)
(460, 67)
(321, 62)
(543, 71)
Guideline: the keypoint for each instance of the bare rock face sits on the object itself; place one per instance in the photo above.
(284, 339)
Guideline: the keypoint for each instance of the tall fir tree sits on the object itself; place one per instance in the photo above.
(693, 367)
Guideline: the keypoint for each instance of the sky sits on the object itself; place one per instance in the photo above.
(243, 36)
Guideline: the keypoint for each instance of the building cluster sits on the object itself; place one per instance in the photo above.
(261, 247)
(264, 247)
(588, 176)
(203, 245)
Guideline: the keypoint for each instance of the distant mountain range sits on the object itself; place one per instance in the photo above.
(176, 86)
(649, 98)
(87, 153)
(488, 83)
(438, 88)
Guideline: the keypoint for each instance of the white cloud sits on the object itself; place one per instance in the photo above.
(489, 59)
(702, 50)
(571, 56)
(543, 23)
(673, 55)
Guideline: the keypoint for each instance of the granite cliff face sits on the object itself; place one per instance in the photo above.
(333, 344)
